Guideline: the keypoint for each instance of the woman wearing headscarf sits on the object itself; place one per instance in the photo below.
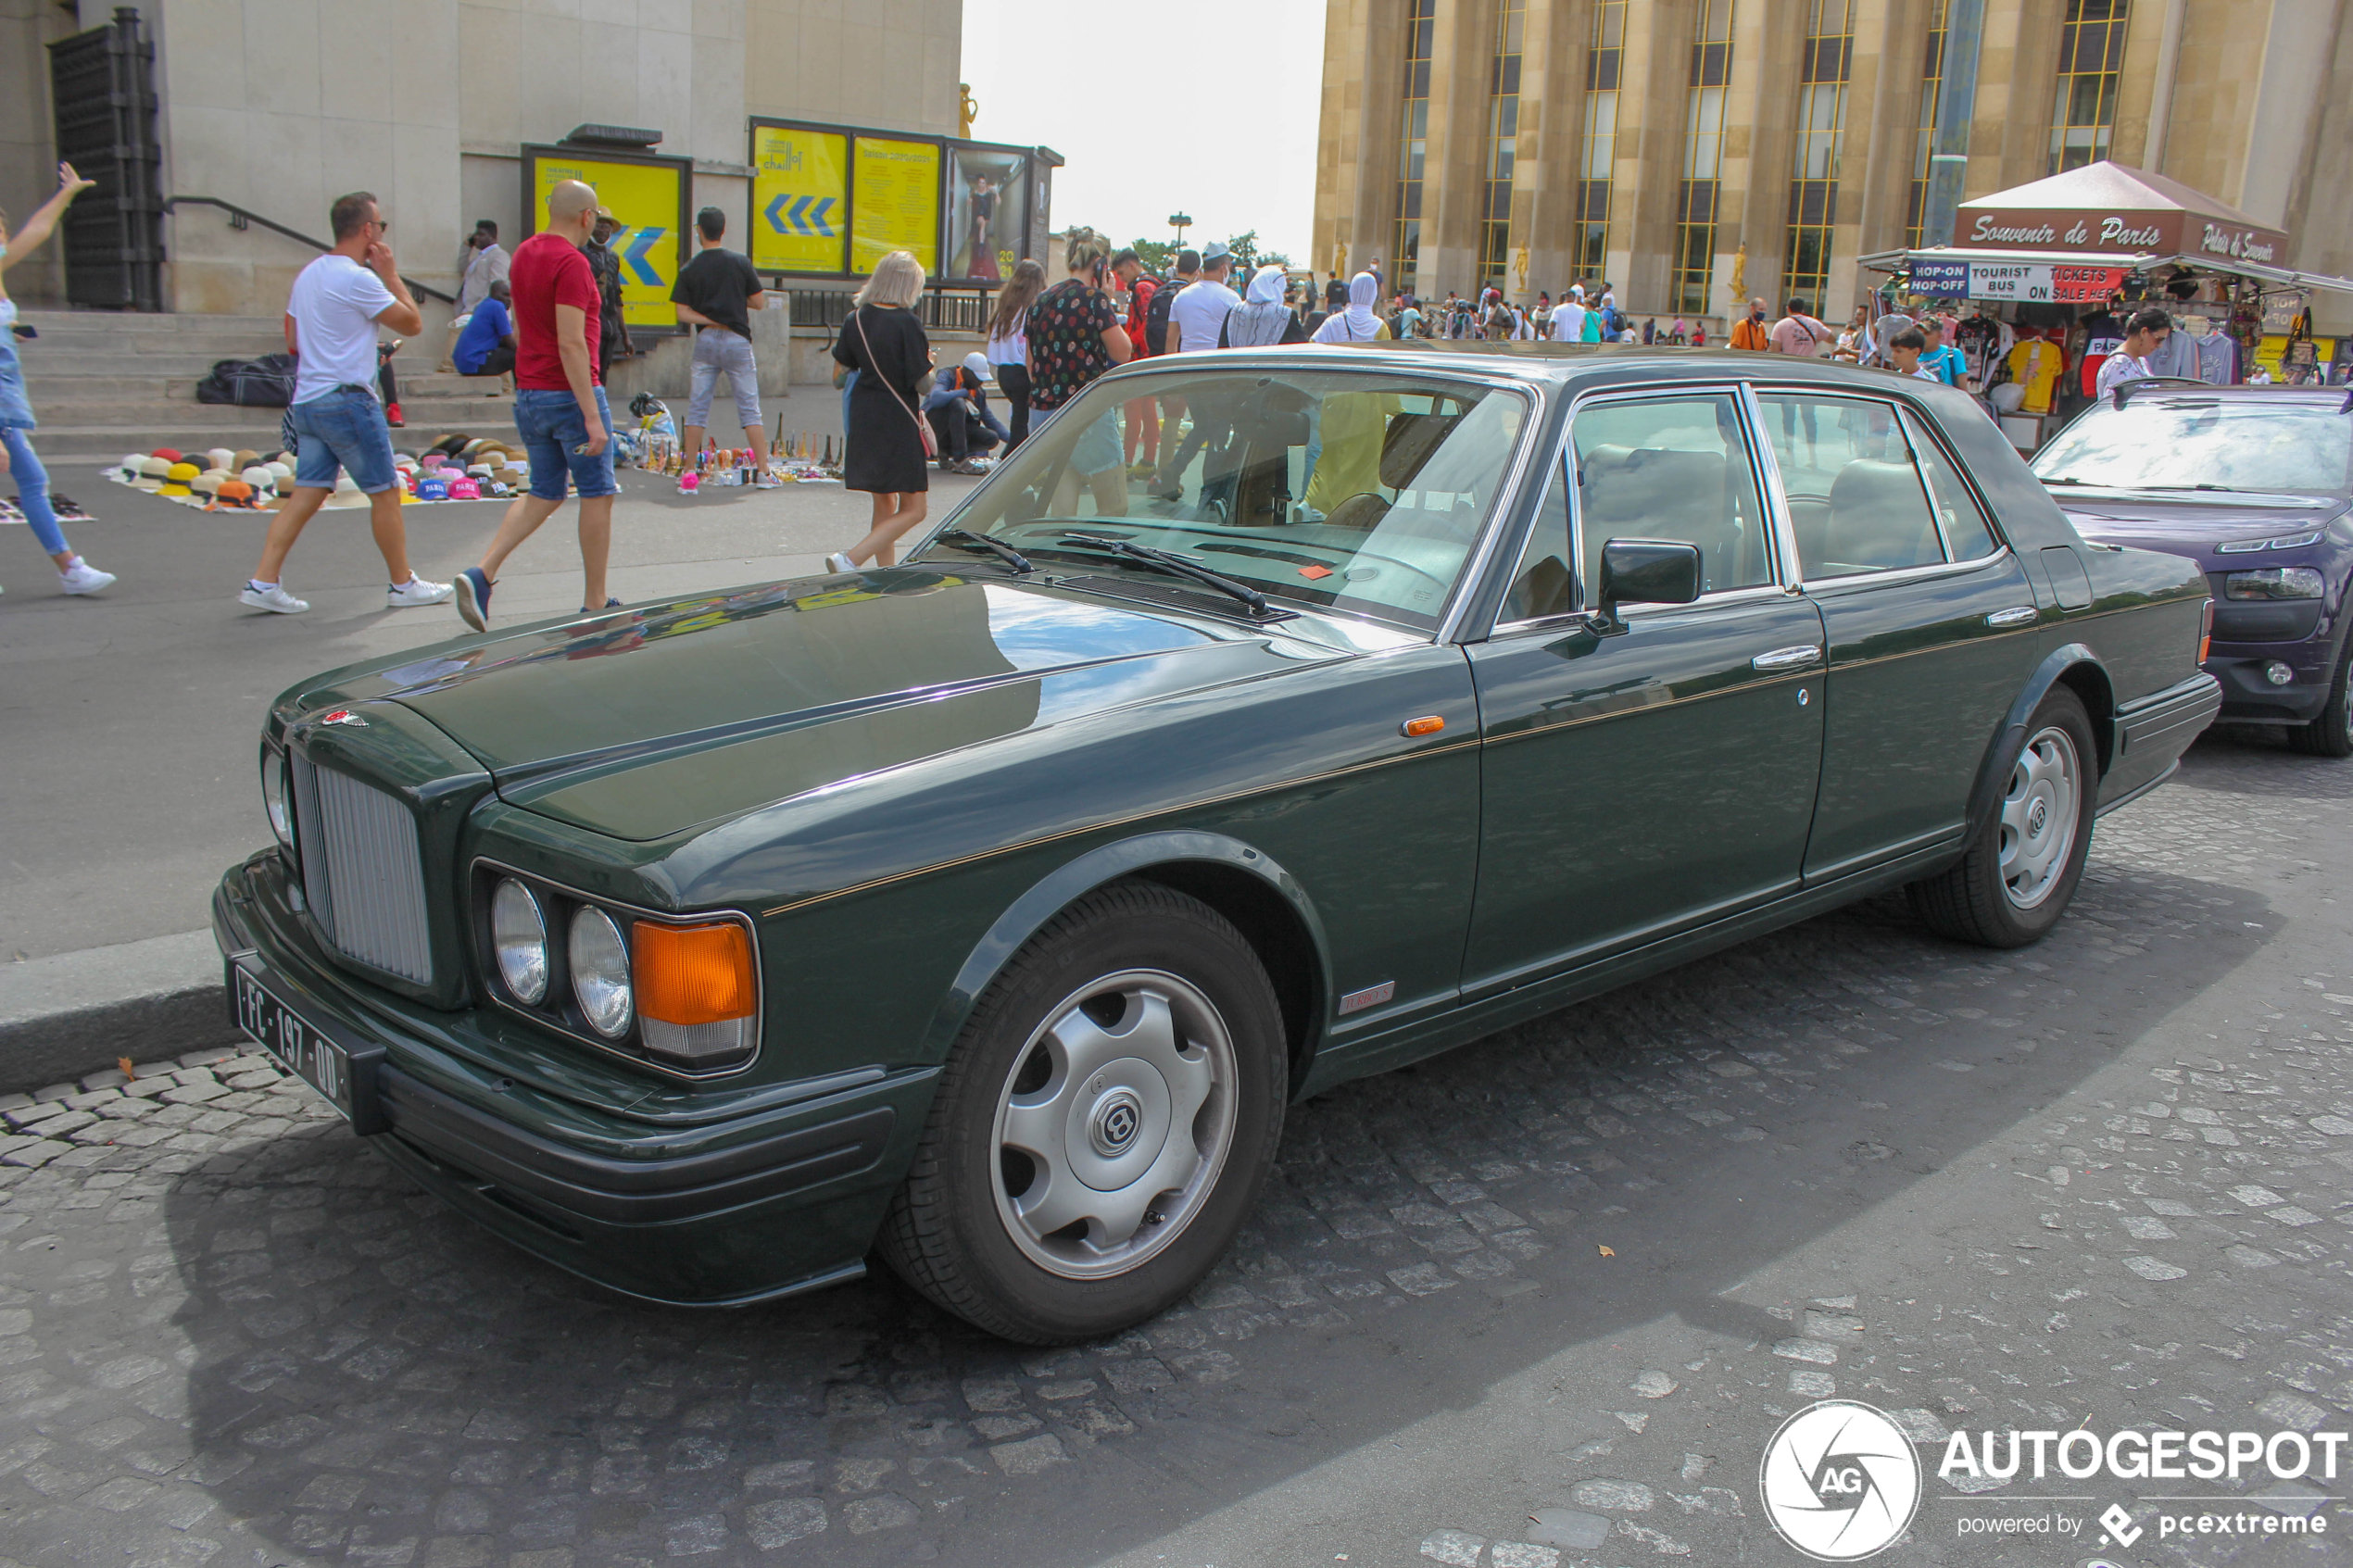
(1261, 320)
(1358, 323)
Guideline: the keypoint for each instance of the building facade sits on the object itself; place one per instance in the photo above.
(1698, 152)
(281, 106)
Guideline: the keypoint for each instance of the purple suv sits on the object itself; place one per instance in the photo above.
(2255, 484)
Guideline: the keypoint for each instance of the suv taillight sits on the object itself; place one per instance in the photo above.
(2206, 632)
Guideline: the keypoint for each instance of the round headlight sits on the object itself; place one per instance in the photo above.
(518, 937)
(273, 794)
(600, 972)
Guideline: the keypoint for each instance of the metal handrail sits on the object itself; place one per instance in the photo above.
(240, 217)
(948, 310)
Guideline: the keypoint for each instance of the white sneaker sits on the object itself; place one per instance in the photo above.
(417, 592)
(838, 562)
(273, 597)
(83, 578)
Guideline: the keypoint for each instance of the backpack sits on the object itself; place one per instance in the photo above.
(266, 383)
(1156, 317)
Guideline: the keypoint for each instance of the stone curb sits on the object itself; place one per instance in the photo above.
(64, 1017)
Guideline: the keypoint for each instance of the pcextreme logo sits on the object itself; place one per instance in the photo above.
(1839, 1481)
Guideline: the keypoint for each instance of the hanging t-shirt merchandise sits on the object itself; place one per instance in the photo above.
(2036, 365)
(1981, 340)
(2103, 335)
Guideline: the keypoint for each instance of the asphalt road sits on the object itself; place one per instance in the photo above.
(1539, 1302)
(129, 720)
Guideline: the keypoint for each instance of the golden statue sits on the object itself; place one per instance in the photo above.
(967, 109)
(1738, 288)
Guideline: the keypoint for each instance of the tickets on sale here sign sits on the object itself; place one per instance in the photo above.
(800, 200)
(645, 198)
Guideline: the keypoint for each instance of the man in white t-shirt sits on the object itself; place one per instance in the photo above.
(1568, 318)
(336, 305)
(1199, 312)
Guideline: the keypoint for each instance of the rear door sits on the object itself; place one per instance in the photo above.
(1646, 780)
(1931, 618)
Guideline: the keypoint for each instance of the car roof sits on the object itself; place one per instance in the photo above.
(1558, 364)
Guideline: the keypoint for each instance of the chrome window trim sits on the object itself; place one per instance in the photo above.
(1918, 425)
(1828, 585)
(1905, 416)
(1793, 575)
(640, 1058)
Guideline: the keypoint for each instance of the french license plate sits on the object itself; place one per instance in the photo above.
(343, 1075)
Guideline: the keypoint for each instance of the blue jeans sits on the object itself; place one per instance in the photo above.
(343, 430)
(32, 489)
(551, 427)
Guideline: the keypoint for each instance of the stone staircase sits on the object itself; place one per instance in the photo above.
(104, 383)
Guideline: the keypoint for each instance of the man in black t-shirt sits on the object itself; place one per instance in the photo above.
(717, 292)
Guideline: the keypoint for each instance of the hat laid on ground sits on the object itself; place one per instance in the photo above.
(256, 477)
(285, 458)
(345, 493)
(219, 458)
(206, 484)
(245, 459)
(465, 490)
(181, 473)
(236, 492)
(433, 489)
(445, 444)
(165, 453)
(280, 472)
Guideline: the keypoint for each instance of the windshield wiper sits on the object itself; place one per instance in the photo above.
(2223, 488)
(998, 548)
(2061, 479)
(1176, 565)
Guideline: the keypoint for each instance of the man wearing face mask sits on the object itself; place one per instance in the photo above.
(1750, 331)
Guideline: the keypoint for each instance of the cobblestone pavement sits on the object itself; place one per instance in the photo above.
(1535, 1304)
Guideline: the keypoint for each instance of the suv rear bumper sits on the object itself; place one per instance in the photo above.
(716, 1213)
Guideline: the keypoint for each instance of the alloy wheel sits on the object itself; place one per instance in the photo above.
(2039, 815)
(1115, 1123)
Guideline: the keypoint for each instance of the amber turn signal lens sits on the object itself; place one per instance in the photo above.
(2206, 633)
(1428, 724)
(689, 975)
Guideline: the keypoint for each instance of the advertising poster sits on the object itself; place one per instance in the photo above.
(650, 200)
(988, 216)
(897, 202)
(800, 200)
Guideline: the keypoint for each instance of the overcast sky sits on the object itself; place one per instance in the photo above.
(1160, 109)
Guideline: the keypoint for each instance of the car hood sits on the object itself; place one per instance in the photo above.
(642, 724)
(2193, 523)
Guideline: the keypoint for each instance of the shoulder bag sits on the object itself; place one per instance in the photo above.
(922, 425)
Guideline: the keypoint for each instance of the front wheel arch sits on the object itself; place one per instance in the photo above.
(1240, 881)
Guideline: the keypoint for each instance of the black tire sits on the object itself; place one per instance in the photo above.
(1973, 901)
(949, 1234)
(2331, 735)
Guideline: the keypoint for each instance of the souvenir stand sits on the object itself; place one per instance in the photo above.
(2040, 280)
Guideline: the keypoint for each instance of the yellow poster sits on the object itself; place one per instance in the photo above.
(800, 200)
(645, 198)
(897, 205)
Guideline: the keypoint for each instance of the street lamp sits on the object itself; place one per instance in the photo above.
(1180, 221)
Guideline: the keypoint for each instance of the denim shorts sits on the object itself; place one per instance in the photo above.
(1097, 447)
(550, 425)
(343, 430)
(719, 352)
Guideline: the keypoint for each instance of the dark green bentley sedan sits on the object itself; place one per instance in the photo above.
(985, 910)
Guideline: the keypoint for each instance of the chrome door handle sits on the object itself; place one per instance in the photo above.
(2017, 615)
(1804, 656)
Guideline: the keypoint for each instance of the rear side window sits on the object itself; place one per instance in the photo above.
(1857, 500)
(1966, 534)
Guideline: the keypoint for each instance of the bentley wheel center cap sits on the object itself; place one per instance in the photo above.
(1113, 1122)
(2035, 821)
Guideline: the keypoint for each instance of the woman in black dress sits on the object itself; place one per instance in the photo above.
(883, 342)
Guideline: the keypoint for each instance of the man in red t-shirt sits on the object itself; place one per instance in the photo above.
(560, 408)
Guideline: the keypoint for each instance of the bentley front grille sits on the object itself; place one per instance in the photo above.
(362, 872)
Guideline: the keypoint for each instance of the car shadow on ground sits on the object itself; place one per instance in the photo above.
(373, 1380)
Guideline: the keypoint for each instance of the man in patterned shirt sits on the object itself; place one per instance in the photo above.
(1075, 336)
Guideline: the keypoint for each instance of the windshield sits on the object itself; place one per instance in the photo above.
(1357, 491)
(2254, 443)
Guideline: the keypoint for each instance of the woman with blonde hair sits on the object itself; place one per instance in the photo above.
(882, 341)
(1008, 350)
